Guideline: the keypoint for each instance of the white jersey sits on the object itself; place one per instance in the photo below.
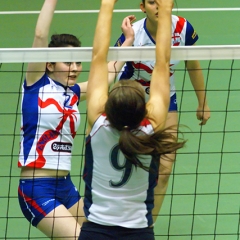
(183, 34)
(117, 193)
(50, 119)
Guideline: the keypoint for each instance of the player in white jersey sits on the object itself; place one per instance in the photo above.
(126, 136)
(50, 119)
(183, 34)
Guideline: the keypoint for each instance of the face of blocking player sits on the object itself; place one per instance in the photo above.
(65, 73)
(151, 9)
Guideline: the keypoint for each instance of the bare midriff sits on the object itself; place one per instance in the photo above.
(27, 172)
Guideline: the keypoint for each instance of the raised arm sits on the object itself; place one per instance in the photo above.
(114, 67)
(158, 103)
(97, 90)
(36, 70)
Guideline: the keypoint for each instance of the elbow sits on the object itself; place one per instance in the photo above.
(99, 57)
(40, 34)
(163, 60)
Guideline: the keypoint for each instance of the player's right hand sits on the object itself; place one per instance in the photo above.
(127, 27)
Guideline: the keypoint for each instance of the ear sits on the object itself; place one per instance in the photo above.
(50, 67)
(142, 7)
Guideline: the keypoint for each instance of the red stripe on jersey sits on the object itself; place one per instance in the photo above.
(31, 202)
(142, 67)
(74, 100)
(171, 70)
(178, 30)
(179, 25)
(145, 122)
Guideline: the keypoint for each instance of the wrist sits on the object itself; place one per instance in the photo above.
(128, 42)
(204, 103)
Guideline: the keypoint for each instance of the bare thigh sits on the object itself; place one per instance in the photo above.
(77, 211)
(60, 224)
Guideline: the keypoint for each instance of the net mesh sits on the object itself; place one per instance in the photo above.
(202, 201)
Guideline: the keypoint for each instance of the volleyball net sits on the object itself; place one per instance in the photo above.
(202, 201)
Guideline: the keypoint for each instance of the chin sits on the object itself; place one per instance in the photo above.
(71, 83)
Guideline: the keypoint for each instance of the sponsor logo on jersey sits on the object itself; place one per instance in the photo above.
(62, 147)
(194, 34)
(119, 44)
(45, 138)
(147, 90)
(176, 39)
(146, 44)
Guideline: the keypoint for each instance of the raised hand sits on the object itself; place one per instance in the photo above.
(203, 114)
(127, 27)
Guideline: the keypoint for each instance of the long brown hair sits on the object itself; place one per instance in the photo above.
(125, 110)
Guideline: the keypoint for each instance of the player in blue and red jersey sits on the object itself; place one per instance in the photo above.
(50, 119)
(183, 34)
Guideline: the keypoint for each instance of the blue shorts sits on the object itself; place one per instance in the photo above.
(173, 103)
(92, 230)
(38, 197)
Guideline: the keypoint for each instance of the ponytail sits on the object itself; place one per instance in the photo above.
(161, 142)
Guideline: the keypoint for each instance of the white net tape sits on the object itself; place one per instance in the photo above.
(84, 54)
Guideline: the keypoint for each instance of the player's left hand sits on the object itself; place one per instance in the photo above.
(203, 114)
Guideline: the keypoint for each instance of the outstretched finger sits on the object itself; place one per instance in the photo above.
(132, 18)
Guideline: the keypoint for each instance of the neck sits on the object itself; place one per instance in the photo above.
(152, 28)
